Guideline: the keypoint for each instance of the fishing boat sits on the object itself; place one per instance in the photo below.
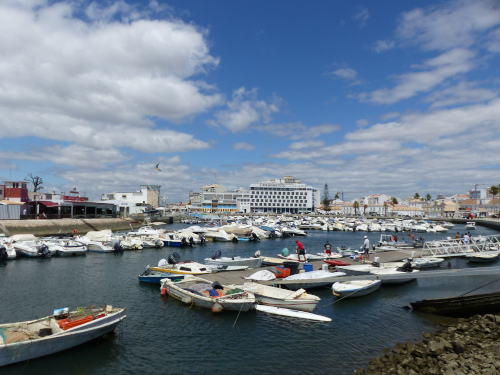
(292, 313)
(155, 277)
(278, 297)
(355, 288)
(23, 341)
(460, 306)
(194, 290)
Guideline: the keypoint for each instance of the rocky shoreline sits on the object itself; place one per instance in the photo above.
(467, 346)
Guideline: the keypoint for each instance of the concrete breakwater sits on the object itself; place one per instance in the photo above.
(468, 346)
(49, 227)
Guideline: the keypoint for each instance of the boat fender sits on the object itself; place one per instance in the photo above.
(217, 308)
(335, 293)
(163, 291)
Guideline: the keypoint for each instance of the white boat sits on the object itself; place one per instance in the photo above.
(33, 249)
(482, 257)
(7, 251)
(278, 297)
(355, 288)
(100, 241)
(68, 247)
(193, 290)
(307, 280)
(146, 230)
(214, 268)
(217, 260)
(427, 262)
(27, 340)
(329, 256)
(292, 313)
(470, 225)
(185, 268)
(292, 231)
(393, 276)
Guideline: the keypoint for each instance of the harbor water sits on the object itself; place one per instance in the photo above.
(163, 336)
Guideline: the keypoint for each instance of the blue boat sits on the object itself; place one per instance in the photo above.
(155, 277)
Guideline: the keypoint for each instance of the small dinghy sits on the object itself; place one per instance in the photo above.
(292, 313)
(355, 288)
(482, 257)
(337, 263)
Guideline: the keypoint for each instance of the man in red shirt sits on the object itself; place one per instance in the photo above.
(300, 250)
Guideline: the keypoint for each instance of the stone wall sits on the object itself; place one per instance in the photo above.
(43, 227)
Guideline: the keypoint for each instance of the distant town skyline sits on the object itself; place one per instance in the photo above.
(387, 97)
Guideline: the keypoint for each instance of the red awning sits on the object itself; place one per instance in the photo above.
(48, 203)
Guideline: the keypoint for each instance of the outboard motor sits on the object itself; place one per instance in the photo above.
(174, 258)
(158, 243)
(147, 271)
(184, 241)
(217, 285)
(257, 254)
(202, 239)
(216, 255)
(44, 251)
(3, 253)
(191, 240)
(116, 245)
(406, 267)
(255, 237)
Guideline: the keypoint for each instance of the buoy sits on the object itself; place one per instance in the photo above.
(217, 307)
(163, 291)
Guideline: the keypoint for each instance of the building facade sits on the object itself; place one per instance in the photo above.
(283, 195)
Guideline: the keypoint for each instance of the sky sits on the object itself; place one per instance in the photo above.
(392, 97)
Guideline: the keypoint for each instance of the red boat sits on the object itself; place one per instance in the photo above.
(337, 263)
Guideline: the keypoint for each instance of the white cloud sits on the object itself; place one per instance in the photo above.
(306, 144)
(439, 69)
(362, 16)
(298, 130)
(461, 93)
(346, 73)
(383, 45)
(244, 110)
(243, 146)
(362, 122)
(456, 24)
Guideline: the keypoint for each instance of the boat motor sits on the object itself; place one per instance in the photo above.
(3, 253)
(44, 251)
(174, 258)
(191, 240)
(147, 271)
(116, 245)
(216, 255)
(257, 254)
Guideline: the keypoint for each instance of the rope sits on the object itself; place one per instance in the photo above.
(482, 286)
(237, 316)
(336, 300)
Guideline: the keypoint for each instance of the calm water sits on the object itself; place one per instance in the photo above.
(161, 335)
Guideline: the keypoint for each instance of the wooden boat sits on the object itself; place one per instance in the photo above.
(460, 306)
(337, 263)
(27, 340)
(355, 288)
(482, 257)
(193, 290)
(155, 277)
(291, 313)
(278, 297)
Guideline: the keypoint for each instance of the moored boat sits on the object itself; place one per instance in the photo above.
(193, 290)
(32, 339)
(355, 288)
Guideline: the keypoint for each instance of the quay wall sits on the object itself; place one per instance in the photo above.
(48, 227)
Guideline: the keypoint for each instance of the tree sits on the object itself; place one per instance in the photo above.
(428, 198)
(36, 181)
(416, 196)
(385, 208)
(394, 201)
(355, 205)
(326, 198)
(365, 206)
(494, 190)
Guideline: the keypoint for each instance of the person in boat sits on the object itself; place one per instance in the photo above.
(366, 247)
(328, 248)
(300, 250)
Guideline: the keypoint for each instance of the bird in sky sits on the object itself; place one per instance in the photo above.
(157, 168)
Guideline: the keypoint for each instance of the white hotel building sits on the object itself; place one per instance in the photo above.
(283, 195)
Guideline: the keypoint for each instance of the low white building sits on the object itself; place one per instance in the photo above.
(130, 203)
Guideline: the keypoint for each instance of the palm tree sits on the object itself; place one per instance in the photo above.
(355, 205)
(394, 200)
(326, 199)
(365, 206)
(428, 198)
(416, 196)
(385, 208)
(494, 190)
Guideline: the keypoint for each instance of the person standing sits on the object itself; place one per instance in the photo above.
(366, 247)
(328, 248)
(300, 250)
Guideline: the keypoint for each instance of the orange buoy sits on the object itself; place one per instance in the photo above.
(163, 291)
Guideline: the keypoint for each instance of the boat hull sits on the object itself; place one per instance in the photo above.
(31, 349)
(462, 306)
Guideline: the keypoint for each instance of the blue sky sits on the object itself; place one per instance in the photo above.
(393, 97)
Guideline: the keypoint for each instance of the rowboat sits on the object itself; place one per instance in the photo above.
(337, 263)
(278, 297)
(355, 288)
(292, 313)
(460, 306)
(194, 290)
(23, 341)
